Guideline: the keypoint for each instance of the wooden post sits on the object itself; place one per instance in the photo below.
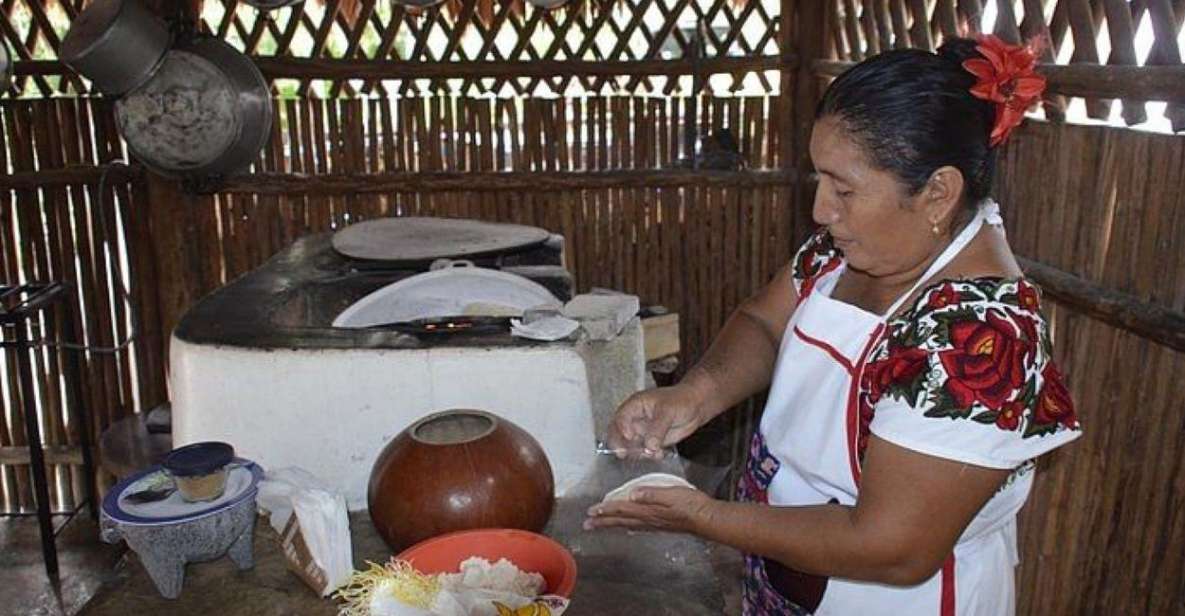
(180, 274)
(811, 21)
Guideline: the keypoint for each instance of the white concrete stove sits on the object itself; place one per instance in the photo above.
(258, 364)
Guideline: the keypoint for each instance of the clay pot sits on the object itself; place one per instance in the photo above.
(458, 470)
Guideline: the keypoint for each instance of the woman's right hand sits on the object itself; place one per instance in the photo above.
(656, 418)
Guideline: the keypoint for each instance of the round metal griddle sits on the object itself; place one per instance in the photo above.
(413, 240)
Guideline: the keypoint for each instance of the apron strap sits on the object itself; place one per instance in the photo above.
(987, 212)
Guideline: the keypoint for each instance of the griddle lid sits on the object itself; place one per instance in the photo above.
(411, 240)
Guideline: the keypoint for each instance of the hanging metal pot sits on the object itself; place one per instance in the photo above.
(269, 5)
(5, 68)
(548, 4)
(206, 112)
(117, 44)
(419, 4)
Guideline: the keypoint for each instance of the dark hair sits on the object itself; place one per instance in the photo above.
(913, 112)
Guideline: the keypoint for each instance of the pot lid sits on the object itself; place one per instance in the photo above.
(444, 293)
(418, 240)
(198, 459)
(185, 117)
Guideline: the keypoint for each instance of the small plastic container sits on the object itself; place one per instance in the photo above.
(199, 470)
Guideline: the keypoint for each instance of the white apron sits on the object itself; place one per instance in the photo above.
(808, 437)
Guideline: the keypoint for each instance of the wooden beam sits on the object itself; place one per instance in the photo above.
(1149, 83)
(31, 180)
(443, 181)
(326, 68)
(275, 67)
(1145, 319)
(54, 455)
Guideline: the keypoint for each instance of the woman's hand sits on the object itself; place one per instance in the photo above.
(670, 509)
(656, 418)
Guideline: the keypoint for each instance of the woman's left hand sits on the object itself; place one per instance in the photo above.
(670, 509)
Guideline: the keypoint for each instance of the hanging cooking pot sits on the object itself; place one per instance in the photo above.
(117, 44)
(268, 5)
(206, 112)
(548, 4)
(419, 4)
(5, 68)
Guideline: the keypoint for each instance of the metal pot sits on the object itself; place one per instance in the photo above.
(117, 44)
(419, 4)
(269, 5)
(206, 112)
(5, 68)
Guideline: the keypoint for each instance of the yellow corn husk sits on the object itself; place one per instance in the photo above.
(398, 578)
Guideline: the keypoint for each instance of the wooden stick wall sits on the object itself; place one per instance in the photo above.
(1102, 533)
(66, 228)
(1098, 207)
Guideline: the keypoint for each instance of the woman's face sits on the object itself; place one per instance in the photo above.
(881, 229)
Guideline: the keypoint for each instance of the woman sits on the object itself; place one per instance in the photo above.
(910, 375)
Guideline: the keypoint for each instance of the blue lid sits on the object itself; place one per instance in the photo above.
(198, 459)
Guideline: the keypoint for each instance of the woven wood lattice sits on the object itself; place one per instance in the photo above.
(1130, 48)
(502, 37)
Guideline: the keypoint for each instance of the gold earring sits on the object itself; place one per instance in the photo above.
(934, 228)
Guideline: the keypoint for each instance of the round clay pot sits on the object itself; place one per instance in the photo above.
(459, 470)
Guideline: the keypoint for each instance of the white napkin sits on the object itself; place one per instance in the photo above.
(547, 328)
(321, 513)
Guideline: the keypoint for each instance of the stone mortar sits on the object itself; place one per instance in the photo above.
(166, 549)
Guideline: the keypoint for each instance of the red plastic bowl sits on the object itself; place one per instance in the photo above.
(528, 551)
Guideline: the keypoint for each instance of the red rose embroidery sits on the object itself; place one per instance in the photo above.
(901, 367)
(814, 261)
(1027, 297)
(1053, 401)
(945, 296)
(1009, 417)
(1028, 327)
(986, 364)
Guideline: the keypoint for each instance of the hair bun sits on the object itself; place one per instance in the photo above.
(958, 50)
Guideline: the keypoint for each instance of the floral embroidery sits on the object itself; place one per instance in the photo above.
(974, 349)
(816, 257)
(758, 596)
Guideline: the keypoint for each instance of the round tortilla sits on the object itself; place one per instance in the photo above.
(649, 480)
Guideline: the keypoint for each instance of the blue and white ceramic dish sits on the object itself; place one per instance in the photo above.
(242, 482)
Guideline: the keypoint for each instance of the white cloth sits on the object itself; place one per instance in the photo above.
(810, 425)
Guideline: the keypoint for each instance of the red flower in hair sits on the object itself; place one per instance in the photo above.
(1006, 76)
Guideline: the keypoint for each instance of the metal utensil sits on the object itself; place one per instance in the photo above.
(603, 448)
(150, 495)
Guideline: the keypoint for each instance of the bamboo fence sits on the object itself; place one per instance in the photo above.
(581, 134)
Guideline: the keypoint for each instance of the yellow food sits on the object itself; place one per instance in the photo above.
(534, 609)
(398, 578)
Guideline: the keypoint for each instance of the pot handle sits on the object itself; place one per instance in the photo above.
(441, 264)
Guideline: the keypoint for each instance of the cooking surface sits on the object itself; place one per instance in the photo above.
(619, 573)
(410, 239)
(291, 300)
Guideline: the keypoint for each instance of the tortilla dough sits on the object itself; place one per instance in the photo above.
(649, 480)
